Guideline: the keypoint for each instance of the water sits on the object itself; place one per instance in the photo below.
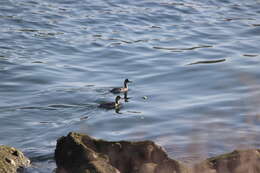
(196, 63)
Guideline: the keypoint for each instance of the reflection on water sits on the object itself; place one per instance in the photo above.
(59, 60)
(126, 98)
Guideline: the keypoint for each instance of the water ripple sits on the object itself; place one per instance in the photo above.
(208, 62)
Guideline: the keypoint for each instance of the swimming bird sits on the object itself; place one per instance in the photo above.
(122, 89)
(111, 105)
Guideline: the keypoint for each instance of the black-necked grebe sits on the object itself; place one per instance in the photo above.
(111, 105)
(123, 89)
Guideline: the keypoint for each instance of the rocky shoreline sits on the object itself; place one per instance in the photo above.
(12, 160)
(80, 153)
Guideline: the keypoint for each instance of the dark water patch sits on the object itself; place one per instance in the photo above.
(61, 106)
(28, 30)
(250, 55)
(38, 62)
(231, 19)
(7, 17)
(40, 32)
(135, 112)
(156, 27)
(119, 41)
(97, 35)
(207, 62)
(174, 3)
(5, 47)
(48, 34)
(45, 122)
(42, 157)
(182, 49)
(256, 25)
(84, 118)
(37, 108)
(41, 164)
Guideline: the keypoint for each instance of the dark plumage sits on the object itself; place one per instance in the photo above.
(111, 105)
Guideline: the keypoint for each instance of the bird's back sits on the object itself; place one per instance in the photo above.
(119, 90)
(110, 105)
(116, 90)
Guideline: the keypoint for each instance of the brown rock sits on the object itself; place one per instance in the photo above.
(79, 153)
(242, 161)
(148, 168)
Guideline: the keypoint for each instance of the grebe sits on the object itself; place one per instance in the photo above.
(123, 89)
(111, 105)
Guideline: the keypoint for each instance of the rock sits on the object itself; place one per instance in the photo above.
(80, 153)
(148, 167)
(238, 161)
(12, 159)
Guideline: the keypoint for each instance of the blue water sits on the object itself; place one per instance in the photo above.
(194, 67)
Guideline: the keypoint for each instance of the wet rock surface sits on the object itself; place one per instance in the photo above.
(12, 160)
(80, 153)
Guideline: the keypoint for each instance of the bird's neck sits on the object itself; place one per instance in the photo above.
(125, 85)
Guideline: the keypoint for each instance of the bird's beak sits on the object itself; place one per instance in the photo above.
(130, 81)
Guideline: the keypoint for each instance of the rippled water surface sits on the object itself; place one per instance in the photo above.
(194, 67)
